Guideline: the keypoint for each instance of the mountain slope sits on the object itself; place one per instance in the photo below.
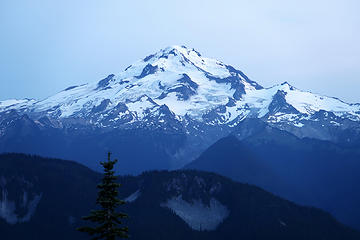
(171, 105)
(161, 205)
(307, 171)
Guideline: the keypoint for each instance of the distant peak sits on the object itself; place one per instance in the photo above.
(177, 47)
(164, 53)
(182, 49)
(287, 85)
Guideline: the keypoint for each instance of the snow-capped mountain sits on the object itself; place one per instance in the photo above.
(176, 78)
(181, 83)
(179, 93)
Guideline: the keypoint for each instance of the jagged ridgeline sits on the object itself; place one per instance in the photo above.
(45, 198)
(162, 111)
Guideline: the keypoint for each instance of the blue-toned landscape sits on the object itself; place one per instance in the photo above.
(204, 149)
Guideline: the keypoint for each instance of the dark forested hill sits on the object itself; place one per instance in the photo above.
(307, 171)
(45, 199)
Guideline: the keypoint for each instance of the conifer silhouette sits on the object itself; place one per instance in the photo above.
(106, 220)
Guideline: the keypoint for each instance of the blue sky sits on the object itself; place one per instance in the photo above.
(46, 46)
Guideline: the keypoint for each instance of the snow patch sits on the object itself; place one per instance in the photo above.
(196, 214)
(8, 208)
(140, 106)
(16, 104)
(335, 123)
(133, 196)
(298, 124)
(282, 223)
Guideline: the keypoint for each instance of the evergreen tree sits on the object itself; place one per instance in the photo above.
(107, 220)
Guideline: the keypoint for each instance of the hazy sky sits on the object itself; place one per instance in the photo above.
(48, 45)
